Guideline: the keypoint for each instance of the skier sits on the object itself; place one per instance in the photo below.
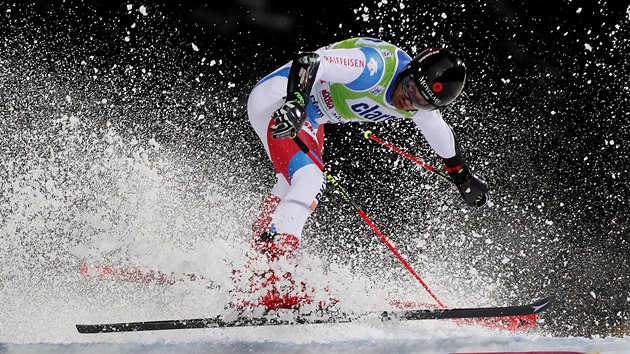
(359, 79)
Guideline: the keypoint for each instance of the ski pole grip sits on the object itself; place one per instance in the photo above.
(368, 135)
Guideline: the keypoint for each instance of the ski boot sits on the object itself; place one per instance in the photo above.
(262, 223)
(275, 285)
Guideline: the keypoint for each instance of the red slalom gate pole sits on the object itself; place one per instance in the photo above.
(119, 273)
(369, 221)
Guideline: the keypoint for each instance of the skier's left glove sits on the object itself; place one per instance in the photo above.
(473, 190)
(289, 119)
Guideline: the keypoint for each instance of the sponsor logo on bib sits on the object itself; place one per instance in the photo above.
(351, 62)
(327, 99)
(373, 111)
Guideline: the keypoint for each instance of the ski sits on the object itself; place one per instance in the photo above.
(409, 315)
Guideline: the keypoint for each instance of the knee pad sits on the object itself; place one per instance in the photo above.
(307, 186)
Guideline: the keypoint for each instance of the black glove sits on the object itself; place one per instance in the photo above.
(289, 119)
(473, 190)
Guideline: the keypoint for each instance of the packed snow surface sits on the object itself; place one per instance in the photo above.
(339, 338)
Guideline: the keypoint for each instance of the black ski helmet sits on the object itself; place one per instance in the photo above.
(439, 75)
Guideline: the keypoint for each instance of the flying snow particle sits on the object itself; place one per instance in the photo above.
(231, 84)
(578, 10)
(213, 62)
(588, 47)
(73, 121)
(154, 144)
(443, 15)
(194, 47)
(68, 99)
(143, 10)
(593, 295)
(628, 12)
(129, 7)
(549, 222)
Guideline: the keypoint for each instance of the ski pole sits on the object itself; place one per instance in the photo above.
(368, 135)
(369, 221)
(479, 200)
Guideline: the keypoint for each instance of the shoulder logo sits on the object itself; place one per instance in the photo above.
(386, 53)
(377, 90)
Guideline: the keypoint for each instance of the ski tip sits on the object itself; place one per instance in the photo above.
(542, 304)
(367, 134)
(84, 329)
(92, 329)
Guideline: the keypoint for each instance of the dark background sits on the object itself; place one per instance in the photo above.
(543, 119)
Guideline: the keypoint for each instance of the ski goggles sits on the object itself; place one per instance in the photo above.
(411, 91)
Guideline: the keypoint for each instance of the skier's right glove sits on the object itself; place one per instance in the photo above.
(473, 190)
(289, 119)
